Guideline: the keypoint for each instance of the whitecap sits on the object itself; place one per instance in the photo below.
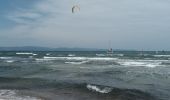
(5, 58)
(26, 53)
(98, 89)
(64, 58)
(71, 55)
(80, 58)
(34, 54)
(145, 63)
(102, 58)
(12, 95)
(161, 55)
(100, 55)
(152, 65)
(9, 61)
(131, 63)
(76, 63)
(47, 54)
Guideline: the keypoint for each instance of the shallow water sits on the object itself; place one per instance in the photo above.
(127, 75)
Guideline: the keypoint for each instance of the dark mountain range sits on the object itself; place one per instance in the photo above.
(34, 48)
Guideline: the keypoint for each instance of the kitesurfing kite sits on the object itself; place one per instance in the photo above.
(75, 8)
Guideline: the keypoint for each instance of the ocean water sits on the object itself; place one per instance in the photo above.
(90, 75)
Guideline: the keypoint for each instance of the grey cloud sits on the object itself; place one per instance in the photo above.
(128, 24)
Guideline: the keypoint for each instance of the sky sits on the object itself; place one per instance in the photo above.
(120, 24)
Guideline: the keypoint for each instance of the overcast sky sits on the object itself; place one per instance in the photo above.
(126, 24)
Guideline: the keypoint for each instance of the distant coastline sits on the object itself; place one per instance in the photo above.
(36, 48)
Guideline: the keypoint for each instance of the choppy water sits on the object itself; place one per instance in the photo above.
(127, 75)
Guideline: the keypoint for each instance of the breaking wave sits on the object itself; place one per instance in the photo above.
(9, 61)
(161, 55)
(12, 95)
(78, 58)
(71, 55)
(76, 63)
(4, 58)
(133, 63)
(99, 89)
(25, 53)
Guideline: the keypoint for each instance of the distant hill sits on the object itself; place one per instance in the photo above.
(25, 48)
(34, 48)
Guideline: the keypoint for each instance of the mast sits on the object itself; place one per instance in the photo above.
(110, 50)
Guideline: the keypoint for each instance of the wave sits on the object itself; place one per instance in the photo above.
(4, 58)
(79, 58)
(141, 54)
(48, 54)
(77, 89)
(26, 53)
(71, 55)
(120, 55)
(76, 63)
(105, 61)
(9, 61)
(133, 63)
(16, 59)
(161, 55)
(12, 95)
(99, 89)
(100, 55)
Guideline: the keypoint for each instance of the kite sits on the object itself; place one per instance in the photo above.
(75, 8)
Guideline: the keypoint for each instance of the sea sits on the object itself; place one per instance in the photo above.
(84, 75)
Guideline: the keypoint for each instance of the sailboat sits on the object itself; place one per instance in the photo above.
(110, 52)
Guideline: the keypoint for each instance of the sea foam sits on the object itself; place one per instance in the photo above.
(98, 89)
(161, 55)
(12, 95)
(144, 63)
(26, 53)
(76, 63)
(9, 61)
(5, 58)
(71, 55)
(79, 58)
